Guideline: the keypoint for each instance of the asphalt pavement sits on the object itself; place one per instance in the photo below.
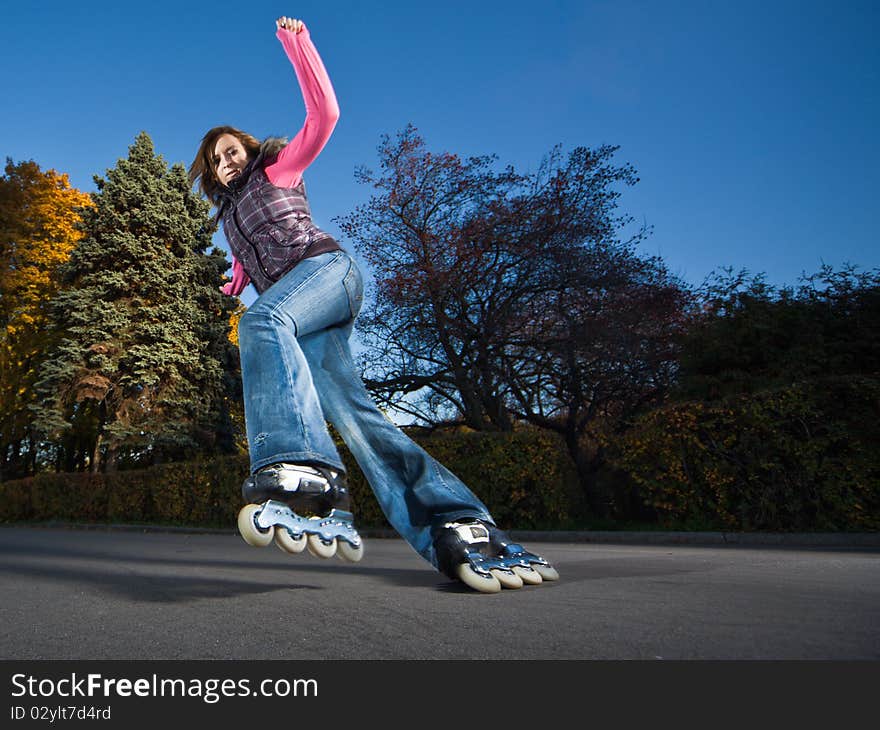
(153, 594)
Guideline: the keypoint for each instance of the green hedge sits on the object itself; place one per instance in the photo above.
(804, 457)
(524, 478)
(194, 493)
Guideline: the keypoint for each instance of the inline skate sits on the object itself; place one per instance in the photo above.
(300, 507)
(482, 557)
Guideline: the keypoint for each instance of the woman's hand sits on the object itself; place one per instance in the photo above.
(291, 24)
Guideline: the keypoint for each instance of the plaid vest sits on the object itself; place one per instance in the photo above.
(269, 229)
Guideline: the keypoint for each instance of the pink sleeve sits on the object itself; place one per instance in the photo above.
(322, 111)
(239, 280)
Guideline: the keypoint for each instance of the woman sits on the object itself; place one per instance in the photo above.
(297, 368)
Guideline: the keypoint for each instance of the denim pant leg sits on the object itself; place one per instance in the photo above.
(283, 414)
(413, 489)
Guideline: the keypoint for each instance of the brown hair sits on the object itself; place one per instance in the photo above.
(203, 168)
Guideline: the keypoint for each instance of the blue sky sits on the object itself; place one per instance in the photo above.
(753, 125)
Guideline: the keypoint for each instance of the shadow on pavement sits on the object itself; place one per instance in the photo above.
(124, 574)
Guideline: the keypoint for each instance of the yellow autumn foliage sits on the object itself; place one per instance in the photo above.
(38, 227)
(39, 219)
(233, 323)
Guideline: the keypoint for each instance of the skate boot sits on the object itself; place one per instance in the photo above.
(482, 557)
(300, 506)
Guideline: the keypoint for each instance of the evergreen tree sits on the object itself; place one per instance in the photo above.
(143, 346)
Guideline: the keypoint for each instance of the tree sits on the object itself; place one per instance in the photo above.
(749, 336)
(508, 297)
(596, 349)
(773, 421)
(143, 329)
(420, 326)
(39, 215)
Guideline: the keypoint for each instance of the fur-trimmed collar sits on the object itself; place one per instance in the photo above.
(271, 146)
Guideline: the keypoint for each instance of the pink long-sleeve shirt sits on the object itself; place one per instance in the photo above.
(322, 113)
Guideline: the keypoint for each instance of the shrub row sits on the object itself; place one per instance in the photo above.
(524, 478)
(803, 457)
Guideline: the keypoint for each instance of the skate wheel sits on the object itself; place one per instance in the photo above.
(321, 549)
(287, 542)
(349, 552)
(547, 572)
(478, 581)
(528, 575)
(252, 534)
(507, 580)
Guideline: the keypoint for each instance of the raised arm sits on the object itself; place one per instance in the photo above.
(322, 111)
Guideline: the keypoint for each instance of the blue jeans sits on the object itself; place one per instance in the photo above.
(298, 373)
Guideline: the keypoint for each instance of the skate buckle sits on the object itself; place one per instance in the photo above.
(473, 533)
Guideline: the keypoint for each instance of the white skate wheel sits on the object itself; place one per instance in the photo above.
(252, 534)
(320, 549)
(547, 572)
(528, 575)
(287, 542)
(478, 581)
(349, 552)
(507, 579)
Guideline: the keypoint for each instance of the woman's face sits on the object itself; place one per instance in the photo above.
(229, 158)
